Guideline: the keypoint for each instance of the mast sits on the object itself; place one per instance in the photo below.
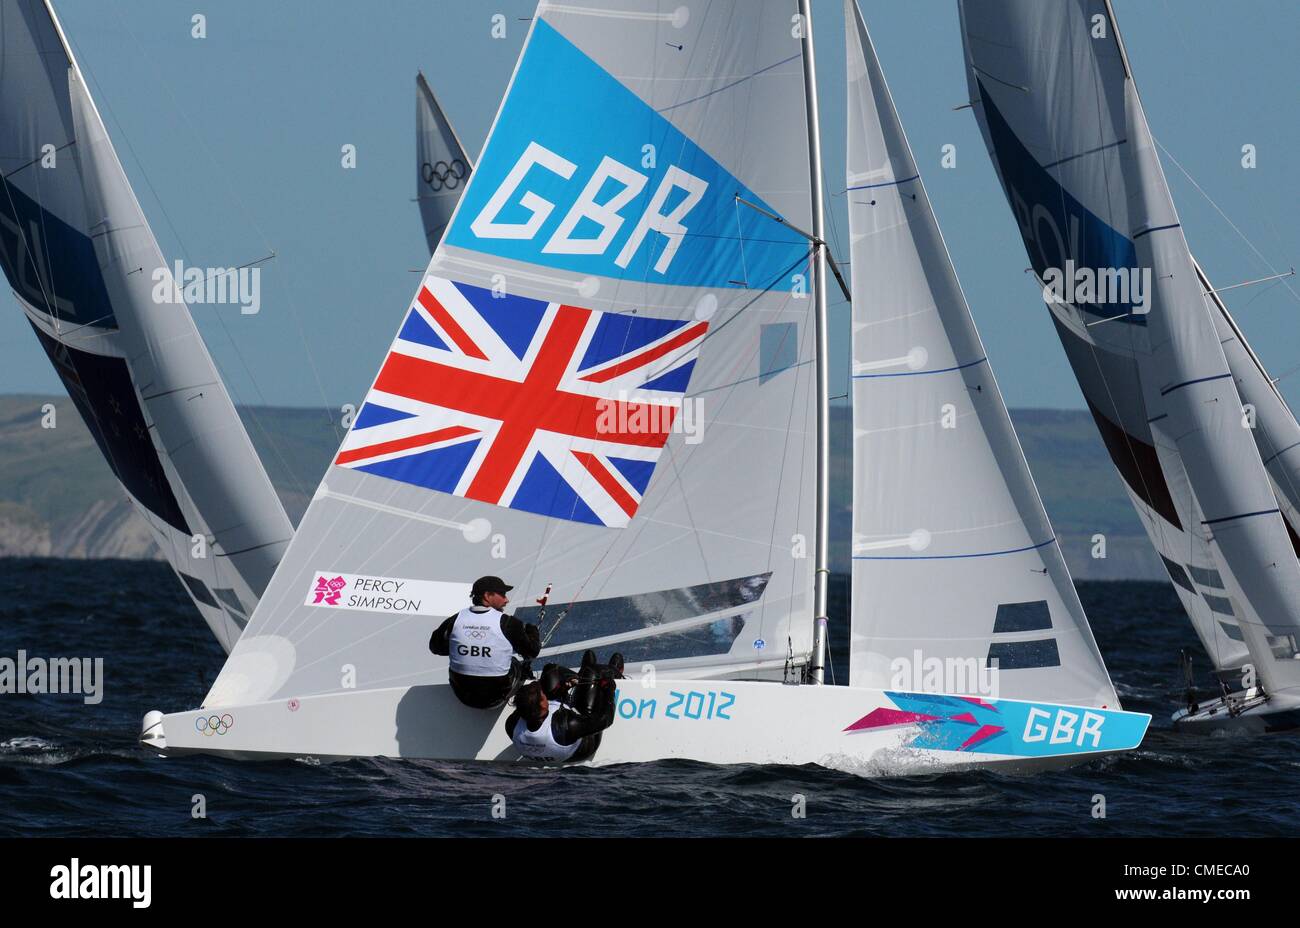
(821, 563)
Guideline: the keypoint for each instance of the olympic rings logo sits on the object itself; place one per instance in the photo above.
(444, 176)
(214, 724)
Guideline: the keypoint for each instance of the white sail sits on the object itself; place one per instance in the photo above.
(1060, 167)
(604, 382)
(443, 165)
(1276, 431)
(1063, 121)
(85, 268)
(1199, 411)
(954, 559)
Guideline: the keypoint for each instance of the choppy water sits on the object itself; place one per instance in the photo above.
(71, 769)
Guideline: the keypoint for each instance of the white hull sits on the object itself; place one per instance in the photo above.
(869, 732)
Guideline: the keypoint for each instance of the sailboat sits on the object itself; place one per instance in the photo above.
(613, 384)
(444, 166)
(1205, 444)
(87, 271)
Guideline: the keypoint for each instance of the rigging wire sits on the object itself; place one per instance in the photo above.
(1201, 190)
(252, 222)
(102, 98)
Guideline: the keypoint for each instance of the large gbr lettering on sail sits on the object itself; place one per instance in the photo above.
(606, 186)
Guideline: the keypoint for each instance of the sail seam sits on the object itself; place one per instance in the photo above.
(1244, 515)
(1274, 457)
(888, 183)
(1084, 154)
(23, 167)
(942, 370)
(732, 84)
(1172, 225)
(993, 77)
(949, 557)
(191, 386)
(278, 541)
(1187, 383)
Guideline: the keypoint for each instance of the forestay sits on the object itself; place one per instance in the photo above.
(605, 339)
(444, 166)
(955, 564)
(1061, 116)
(88, 273)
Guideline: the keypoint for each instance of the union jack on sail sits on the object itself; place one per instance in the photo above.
(544, 407)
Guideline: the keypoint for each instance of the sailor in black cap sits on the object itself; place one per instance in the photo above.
(488, 650)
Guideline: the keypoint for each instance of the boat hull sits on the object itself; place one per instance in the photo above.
(1242, 713)
(865, 731)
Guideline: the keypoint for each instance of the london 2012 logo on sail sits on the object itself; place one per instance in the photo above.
(328, 591)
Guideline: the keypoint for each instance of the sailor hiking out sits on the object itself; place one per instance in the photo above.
(561, 716)
(488, 650)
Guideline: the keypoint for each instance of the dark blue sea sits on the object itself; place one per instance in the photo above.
(68, 769)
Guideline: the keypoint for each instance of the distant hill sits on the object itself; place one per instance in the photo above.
(58, 497)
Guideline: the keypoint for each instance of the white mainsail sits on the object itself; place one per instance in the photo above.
(604, 333)
(85, 268)
(954, 558)
(443, 165)
(1059, 111)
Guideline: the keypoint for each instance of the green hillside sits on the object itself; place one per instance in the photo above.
(57, 496)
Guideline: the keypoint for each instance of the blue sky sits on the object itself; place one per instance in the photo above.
(233, 145)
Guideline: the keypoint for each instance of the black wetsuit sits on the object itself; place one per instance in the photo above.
(490, 692)
(568, 727)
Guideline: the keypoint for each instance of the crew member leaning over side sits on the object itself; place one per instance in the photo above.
(561, 716)
(488, 650)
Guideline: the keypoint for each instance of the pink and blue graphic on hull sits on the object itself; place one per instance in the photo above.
(1004, 726)
(545, 407)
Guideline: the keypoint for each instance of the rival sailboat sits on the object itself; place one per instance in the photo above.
(613, 383)
(444, 166)
(87, 271)
(1214, 480)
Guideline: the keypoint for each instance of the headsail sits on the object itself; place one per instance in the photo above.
(85, 267)
(602, 339)
(1061, 116)
(1276, 431)
(444, 166)
(954, 559)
